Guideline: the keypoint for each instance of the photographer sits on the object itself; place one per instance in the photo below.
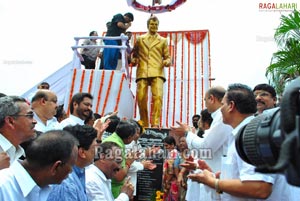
(239, 179)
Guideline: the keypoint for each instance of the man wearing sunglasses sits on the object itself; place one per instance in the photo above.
(16, 126)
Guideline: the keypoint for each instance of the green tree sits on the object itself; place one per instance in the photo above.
(285, 64)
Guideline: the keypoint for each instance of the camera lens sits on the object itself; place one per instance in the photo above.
(258, 142)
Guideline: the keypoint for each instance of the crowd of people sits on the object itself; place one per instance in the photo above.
(99, 159)
(59, 171)
(48, 154)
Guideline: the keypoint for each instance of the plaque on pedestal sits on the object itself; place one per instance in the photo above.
(149, 183)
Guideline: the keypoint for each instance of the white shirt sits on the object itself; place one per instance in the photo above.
(295, 192)
(98, 187)
(135, 166)
(195, 188)
(17, 184)
(214, 142)
(51, 124)
(233, 167)
(71, 121)
(13, 152)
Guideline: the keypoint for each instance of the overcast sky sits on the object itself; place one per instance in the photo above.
(36, 36)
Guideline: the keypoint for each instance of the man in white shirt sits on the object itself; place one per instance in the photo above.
(16, 126)
(214, 139)
(44, 105)
(265, 96)
(134, 149)
(73, 187)
(49, 160)
(80, 109)
(99, 174)
(239, 181)
(42, 85)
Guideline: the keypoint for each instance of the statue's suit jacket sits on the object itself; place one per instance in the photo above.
(151, 56)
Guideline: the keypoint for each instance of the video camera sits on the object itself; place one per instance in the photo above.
(270, 141)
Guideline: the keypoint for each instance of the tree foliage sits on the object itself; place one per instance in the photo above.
(285, 63)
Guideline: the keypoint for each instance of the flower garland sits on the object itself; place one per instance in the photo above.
(130, 65)
(169, 81)
(119, 93)
(196, 36)
(82, 81)
(195, 78)
(100, 91)
(209, 61)
(188, 82)
(181, 83)
(202, 78)
(175, 66)
(91, 81)
(155, 9)
(72, 88)
(108, 91)
(130, 79)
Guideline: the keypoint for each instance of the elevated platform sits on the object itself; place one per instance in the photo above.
(186, 80)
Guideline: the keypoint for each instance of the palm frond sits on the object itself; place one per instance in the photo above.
(288, 28)
(285, 63)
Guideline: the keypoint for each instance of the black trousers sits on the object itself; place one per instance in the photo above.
(88, 63)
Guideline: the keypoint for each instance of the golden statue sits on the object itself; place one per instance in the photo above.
(151, 55)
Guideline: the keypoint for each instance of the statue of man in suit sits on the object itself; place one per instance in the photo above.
(151, 55)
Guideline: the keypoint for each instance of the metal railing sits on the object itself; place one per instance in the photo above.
(122, 47)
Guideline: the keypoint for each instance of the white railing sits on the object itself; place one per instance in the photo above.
(77, 57)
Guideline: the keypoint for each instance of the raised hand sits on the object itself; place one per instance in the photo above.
(181, 129)
(128, 188)
(149, 165)
(203, 165)
(189, 165)
(205, 177)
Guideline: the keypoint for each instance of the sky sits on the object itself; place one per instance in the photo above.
(36, 36)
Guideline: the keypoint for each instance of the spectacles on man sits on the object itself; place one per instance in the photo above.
(30, 115)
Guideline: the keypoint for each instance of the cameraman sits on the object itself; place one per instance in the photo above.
(239, 179)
